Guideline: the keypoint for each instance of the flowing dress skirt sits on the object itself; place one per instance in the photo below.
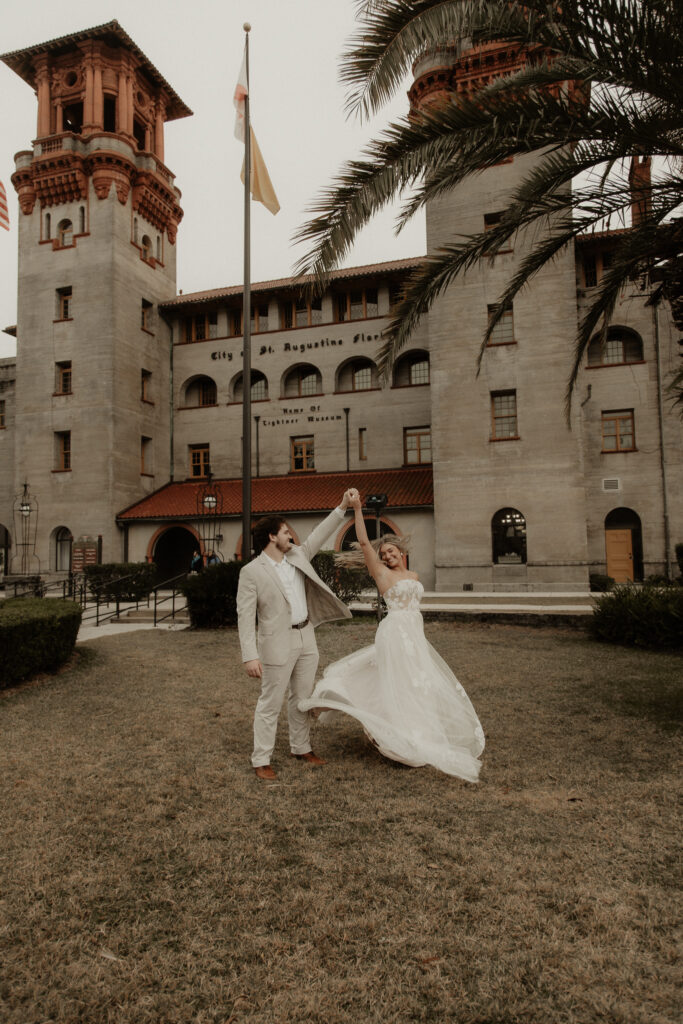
(406, 698)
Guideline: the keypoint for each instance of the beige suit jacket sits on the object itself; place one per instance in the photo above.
(260, 593)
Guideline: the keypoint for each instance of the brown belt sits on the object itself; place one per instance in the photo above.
(299, 625)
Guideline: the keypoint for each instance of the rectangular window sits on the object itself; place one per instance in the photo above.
(618, 431)
(590, 271)
(259, 318)
(362, 443)
(146, 386)
(417, 445)
(235, 323)
(301, 454)
(503, 415)
(64, 309)
(200, 462)
(146, 456)
(300, 313)
(504, 331)
(63, 378)
(63, 450)
(396, 294)
(201, 327)
(146, 315)
(2, 414)
(359, 304)
(492, 220)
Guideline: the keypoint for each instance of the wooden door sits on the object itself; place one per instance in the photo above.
(619, 549)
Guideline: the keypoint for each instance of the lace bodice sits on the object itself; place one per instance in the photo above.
(404, 596)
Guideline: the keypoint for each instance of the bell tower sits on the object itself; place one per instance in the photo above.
(509, 498)
(99, 214)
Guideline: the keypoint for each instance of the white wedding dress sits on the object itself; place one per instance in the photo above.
(404, 694)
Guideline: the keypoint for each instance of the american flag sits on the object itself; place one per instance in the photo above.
(4, 212)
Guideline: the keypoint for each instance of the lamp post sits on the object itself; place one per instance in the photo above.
(26, 528)
(209, 511)
(377, 503)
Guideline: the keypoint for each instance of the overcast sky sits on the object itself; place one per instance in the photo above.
(297, 108)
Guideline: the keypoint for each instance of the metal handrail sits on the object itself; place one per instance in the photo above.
(171, 597)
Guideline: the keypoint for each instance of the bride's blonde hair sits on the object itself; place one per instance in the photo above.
(354, 559)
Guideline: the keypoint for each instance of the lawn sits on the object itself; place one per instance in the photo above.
(148, 878)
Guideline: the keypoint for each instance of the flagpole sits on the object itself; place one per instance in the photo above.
(246, 326)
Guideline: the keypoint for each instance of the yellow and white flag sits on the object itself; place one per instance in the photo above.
(260, 185)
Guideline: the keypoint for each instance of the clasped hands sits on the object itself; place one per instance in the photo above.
(351, 499)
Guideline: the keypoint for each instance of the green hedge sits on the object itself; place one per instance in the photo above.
(599, 583)
(37, 634)
(212, 595)
(650, 616)
(108, 581)
(346, 584)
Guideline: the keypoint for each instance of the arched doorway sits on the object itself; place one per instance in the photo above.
(508, 537)
(173, 551)
(5, 547)
(624, 545)
(371, 526)
(61, 542)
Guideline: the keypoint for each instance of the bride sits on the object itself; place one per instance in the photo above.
(401, 691)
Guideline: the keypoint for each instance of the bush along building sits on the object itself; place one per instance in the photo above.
(121, 418)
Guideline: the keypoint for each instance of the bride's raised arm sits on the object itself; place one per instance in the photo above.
(374, 563)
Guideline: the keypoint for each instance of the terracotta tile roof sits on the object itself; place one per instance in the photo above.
(392, 266)
(597, 236)
(318, 492)
(21, 61)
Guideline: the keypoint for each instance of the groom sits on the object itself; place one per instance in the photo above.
(282, 589)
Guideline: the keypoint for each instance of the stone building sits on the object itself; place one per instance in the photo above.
(123, 412)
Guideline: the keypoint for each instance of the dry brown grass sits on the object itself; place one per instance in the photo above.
(148, 877)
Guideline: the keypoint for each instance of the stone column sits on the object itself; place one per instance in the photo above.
(159, 129)
(98, 97)
(122, 105)
(88, 102)
(43, 90)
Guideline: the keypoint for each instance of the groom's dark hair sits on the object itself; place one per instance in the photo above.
(263, 529)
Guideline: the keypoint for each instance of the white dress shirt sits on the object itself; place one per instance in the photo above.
(295, 587)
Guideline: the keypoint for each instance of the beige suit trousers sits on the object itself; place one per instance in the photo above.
(297, 674)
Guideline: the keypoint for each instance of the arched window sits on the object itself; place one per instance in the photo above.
(357, 375)
(65, 233)
(48, 221)
(620, 346)
(146, 248)
(200, 392)
(412, 369)
(135, 230)
(159, 248)
(508, 536)
(259, 387)
(63, 541)
(302, 380)
(81, 220)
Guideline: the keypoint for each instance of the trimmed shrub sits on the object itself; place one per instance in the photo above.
(212, 595)
(599, 583)
(641, 617)
(108, 580)
(346, 584)
(37, 634)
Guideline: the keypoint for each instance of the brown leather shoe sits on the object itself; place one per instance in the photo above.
(264, 771)
(310, 758)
